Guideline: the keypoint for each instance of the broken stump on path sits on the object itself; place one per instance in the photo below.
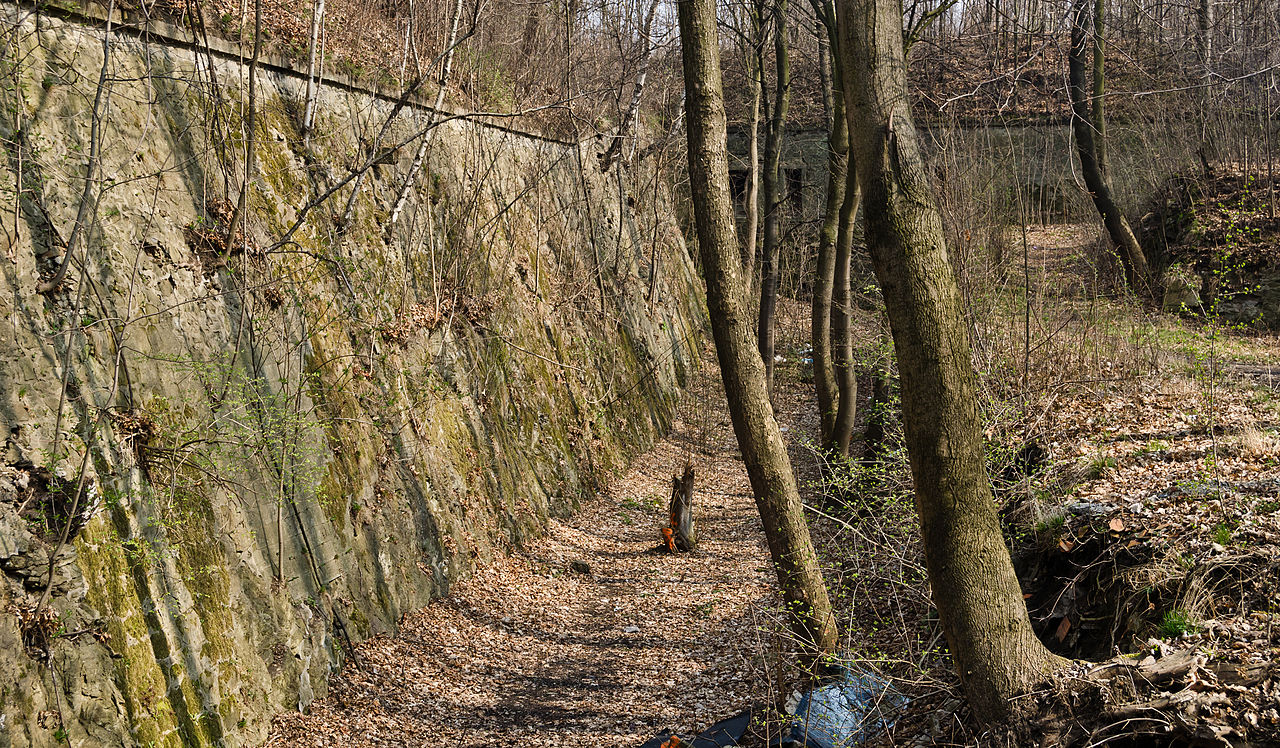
(680, 533)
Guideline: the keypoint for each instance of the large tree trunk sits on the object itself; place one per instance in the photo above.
(996, 653)
(768, 466)
(1088, 121)
(765, 328)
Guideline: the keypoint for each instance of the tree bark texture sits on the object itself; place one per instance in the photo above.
(768, 466)
(1088, 122)
(974, 586)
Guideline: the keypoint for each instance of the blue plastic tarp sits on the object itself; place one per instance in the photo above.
(845, 713)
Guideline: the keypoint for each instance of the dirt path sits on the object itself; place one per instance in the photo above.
(531, 652)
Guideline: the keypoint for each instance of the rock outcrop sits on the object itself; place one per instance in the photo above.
(263, 453)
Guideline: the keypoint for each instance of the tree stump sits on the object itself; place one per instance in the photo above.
(680, 533)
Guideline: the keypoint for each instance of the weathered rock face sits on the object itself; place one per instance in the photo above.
(267, 455)
(1220, 244)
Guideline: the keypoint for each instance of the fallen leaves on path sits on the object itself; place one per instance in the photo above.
(590, 636)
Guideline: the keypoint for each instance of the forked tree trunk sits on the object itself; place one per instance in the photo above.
(768, 466)
(1088, 121)
(996, 653)
(842, 318)
(832, 335)
(765, 328)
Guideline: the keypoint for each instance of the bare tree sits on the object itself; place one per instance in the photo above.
(741, 369)
(637, 92)
(1088, 120)
(251, 135)
(979, 601)
(772, 196)
(402, 196)
(315, 72)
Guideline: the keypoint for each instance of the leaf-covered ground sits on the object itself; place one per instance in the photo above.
(537, 649)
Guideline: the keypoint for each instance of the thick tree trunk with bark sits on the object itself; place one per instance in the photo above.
(996, 653)
(1088, 122)
(768, 466)
(765, 328)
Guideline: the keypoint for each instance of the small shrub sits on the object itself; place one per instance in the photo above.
(1177, 622)
(1051, 524)
(1155, 446)
(1099, 465)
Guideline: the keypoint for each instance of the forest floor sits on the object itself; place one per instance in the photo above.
(1148, 527)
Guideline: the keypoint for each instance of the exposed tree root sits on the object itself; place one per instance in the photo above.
(1179, 699)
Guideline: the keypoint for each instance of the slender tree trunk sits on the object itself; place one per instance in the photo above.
(842, 318)
(1204, 25)
(1204, 42)
(1098, 103)
(420, 155)
(768, 466)
(832, 331)
(752, 208)
(313, 80)
(646, 52)
(979, 601)
(824, 378)
(251, 135)
(91, 192)
(765, 328)
(1088, 120)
